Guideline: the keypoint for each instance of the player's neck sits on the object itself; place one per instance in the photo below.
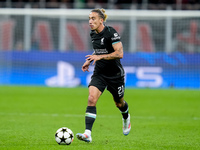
(100, 28)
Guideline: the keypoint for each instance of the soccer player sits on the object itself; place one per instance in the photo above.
(108, 72)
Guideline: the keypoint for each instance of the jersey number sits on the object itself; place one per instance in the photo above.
(120, 90)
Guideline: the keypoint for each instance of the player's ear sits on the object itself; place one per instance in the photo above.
(101, 20)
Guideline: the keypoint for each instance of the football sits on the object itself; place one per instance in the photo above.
(64, 136)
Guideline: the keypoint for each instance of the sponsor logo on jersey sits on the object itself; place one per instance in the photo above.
(101, 51)
(116, 37)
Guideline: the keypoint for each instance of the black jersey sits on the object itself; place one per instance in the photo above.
(102, 44)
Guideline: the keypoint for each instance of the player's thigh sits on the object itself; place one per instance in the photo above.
(98, 82)
(94, 93)
(96, 87)
(116, 88)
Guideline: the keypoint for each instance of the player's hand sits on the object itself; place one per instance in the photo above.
(85, 66)
(93, 58)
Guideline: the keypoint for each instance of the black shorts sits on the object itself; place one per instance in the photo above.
(114, 86)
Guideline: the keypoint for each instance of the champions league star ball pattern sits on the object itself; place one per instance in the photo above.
(64, 136)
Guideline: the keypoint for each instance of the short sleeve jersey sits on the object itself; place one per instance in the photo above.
(102, 44)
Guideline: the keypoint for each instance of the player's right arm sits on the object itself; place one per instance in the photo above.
(117, 54)
(86, 65)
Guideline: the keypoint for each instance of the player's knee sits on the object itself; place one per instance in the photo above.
(91, 100)
(119, 105)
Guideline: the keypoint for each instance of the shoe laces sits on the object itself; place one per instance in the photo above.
(125, 123)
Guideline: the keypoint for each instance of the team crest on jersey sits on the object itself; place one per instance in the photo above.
(102, 41)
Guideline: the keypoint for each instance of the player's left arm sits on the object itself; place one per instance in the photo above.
(117, 54)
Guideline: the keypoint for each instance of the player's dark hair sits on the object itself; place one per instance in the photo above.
(101, 13)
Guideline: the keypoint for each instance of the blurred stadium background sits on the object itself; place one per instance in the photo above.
(45, 42)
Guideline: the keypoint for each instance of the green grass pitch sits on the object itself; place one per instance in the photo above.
(162, 119)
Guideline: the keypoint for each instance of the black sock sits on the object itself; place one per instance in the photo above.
(124, 110)
(90, 117)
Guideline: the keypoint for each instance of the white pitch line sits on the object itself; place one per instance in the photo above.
(79, 116)
(196, 118)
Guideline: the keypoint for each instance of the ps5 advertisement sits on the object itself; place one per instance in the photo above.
(142, 70)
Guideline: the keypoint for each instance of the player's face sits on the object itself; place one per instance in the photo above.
(95, 21)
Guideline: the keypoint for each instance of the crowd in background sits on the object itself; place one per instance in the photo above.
(107, 4)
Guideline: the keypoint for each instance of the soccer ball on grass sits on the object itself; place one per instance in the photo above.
(64, 136)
